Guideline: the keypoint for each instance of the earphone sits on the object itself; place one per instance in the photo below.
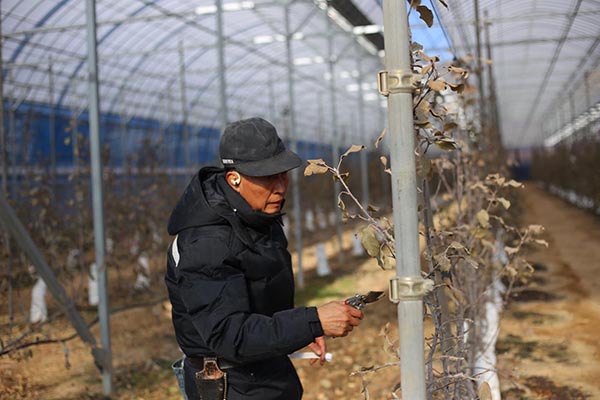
(236, 181)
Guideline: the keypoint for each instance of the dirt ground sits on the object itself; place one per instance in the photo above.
(548, 346)
(550, 330)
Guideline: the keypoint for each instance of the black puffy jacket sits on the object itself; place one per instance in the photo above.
(232, 289)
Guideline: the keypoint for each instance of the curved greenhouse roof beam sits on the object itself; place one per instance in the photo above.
(305, 77)
(140, 62)
(542, 88)
(99, 42)
(195, 57)
(38, 24)
(572, 80)
(250, 50)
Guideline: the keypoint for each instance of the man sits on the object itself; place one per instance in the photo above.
(230, 279)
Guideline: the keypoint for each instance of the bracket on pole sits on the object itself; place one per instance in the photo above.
(409, 288)
(396, 81)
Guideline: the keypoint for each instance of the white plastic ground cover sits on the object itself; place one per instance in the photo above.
(577, 200)
(38, 311)
(93, 298)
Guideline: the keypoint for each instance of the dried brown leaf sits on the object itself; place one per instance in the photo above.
(485, 392)
(511, 250)
(443, 261)
(513, 183)
(426, 15)
(484, 218)
(414, 3)
(426, 69)
(457, 70)
(536, 229)
(427, 58)
(447, 144)
(368, 238)
(353, 149)
(372, 208)
(380, 138)
(449, 126)
(437, 85)
(383, 160)
(341, 203)
(314, 168)
(457, 88)
(505, 203)
(456, 246)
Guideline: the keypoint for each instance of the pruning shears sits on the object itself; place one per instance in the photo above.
(358, 301)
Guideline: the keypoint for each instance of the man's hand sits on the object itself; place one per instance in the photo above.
(319, 348)
(338, 318)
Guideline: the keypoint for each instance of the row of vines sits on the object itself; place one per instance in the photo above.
(567, 170)
(473, 241)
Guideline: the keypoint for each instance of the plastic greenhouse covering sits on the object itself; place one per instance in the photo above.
(159, 64)
(160, 69)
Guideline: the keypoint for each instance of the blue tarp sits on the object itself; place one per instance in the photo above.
(135, 142)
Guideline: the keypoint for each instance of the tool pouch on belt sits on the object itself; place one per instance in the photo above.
(211, 381)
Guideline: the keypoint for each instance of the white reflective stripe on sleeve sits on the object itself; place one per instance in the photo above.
(175, 251)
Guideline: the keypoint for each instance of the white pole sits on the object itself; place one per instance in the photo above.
(96, 167)
(294, 144)
(184, 107)
(52, 126)
(364, 170)
(222, 66)
(3, 138)
(335, 142)
(407, 288)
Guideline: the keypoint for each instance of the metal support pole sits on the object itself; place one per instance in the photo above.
(123, 144)
(335, 142)
(404, 199)
(480, 76)
(222, 66)
(320, 113)
(572, 115)
(13, 139)
(494, 119)
(294, 144)
(96, 172)
(588, 100)
(165, 135)
(76, 154)
(52, 125)
(364, 169)
(184, 108)
(272, 108)
(3, 141)
(169, 140)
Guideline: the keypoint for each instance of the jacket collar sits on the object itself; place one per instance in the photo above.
(254, 219)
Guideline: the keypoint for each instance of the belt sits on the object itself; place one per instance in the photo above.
(198, 362)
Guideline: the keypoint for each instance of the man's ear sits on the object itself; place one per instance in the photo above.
(233, 179)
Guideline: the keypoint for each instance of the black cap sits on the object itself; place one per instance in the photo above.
(252, 147)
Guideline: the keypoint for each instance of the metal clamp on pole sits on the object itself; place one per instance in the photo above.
(409, 288)
(396, 81)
